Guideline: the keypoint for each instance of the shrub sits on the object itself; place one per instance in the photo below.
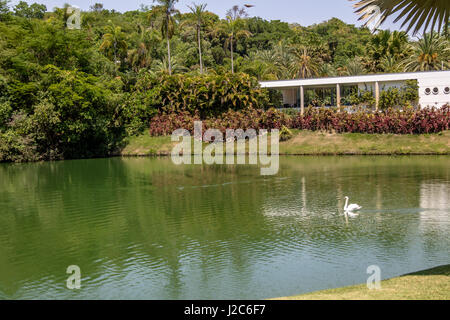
(359, 98)
(46, 121)
(167, 122)
(407, 95)
(387, 121)
(285, 134)
(409, 121)
(16, 142)
(390, 98)
(5, 113)
(410, 92)
(208, 95)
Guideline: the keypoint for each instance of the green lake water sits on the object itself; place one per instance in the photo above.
(144, 228)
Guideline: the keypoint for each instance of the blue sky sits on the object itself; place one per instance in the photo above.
(304, 12)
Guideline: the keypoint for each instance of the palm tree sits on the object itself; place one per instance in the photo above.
(284, 60)
(429, 53)
(304, 64)
(234, 28)
(168, 23)
(354, 67)
(327, 70)
(261, 64)
(390, 64)
(416, 13)
(140, 57)
(113, 43)
(198, 19)
(162, 66)
(386, 43)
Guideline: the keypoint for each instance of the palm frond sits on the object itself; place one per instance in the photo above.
(416, 14)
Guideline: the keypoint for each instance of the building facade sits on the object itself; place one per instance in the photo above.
(434, 87)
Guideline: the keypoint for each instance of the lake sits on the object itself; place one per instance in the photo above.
(144, 228)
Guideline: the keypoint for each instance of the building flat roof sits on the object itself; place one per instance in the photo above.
(355, 79)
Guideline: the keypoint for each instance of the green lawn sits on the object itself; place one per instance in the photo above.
(146, 145)
(432, 284)
(319, 143)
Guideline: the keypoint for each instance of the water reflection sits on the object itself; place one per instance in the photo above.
(146, 229)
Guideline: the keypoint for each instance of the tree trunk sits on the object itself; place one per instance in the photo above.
(115, 57)
(168, 49)
(232, 59)
(168, 53)
(200, 50)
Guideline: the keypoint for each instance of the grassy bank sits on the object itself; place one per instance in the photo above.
(318, 143)
(432, 284)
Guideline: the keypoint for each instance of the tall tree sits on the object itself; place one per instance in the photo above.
(198, 18)
(22, 9)
(113, 43)
(264, 63)
(168, 24)
(234, 27)
(140, 56)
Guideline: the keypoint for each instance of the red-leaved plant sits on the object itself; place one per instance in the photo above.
(428, 120)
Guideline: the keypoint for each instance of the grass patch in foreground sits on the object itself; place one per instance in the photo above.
(145, 145)
(320, 143)
(317, 143)
(432, 284)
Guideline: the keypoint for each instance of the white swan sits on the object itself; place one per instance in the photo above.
(351, 207)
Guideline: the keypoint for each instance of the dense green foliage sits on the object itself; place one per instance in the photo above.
(394, 97)
(209, 94)
(70, 114)
(76, 93)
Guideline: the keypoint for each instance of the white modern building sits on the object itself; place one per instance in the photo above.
(434, 87)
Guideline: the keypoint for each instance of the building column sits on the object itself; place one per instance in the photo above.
(338, 95)
(302, 100)
(377, 95)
